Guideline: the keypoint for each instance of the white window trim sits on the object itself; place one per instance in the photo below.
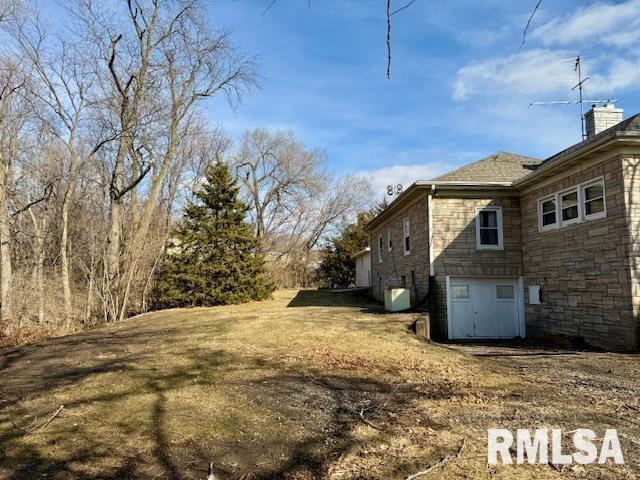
(500, 245)
(553, 225)
(568, 191)
(380, 248)
(389, 244)
(582, 216)
(406, 232)
(583, 204)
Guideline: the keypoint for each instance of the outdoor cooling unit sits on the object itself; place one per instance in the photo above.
(397, 299)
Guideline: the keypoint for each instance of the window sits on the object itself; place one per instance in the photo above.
(593, 200)
(548, 214)
(406, 234)
(489, 228)
(379, 248)
(569, 204)
(581, 203)
(460, 292)
(505, 292)
(389, 244)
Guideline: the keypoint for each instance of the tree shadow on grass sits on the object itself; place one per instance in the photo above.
(325, 298)
(320, 411)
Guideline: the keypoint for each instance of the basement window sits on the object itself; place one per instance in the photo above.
(489, 228)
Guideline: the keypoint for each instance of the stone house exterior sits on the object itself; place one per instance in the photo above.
(511, 246)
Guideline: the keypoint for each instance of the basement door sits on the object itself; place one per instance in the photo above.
(483, 308)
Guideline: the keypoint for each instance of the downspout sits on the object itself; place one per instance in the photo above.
(432, 270)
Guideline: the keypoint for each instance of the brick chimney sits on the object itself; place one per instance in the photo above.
(599, 119)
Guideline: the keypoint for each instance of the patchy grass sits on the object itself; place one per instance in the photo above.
(307, 385)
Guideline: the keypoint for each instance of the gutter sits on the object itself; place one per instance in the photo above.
(430, 184)
(560, 159)
(548, 166)
(456, 183)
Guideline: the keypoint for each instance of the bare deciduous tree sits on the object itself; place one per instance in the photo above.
(294, 202)
(61, 88)
(159, 66)
(14, 115)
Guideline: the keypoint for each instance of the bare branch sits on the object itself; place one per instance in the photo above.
(526, 28)
(404, 7)
(271, 4)
(389, 39)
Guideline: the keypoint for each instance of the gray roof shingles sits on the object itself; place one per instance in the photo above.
(500, 167)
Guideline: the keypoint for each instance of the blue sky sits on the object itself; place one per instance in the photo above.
(460, 86)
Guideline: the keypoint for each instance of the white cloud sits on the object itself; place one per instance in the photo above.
(403, 175)
(541, 74)
(529, 73)
(622, 74)
(599, 23)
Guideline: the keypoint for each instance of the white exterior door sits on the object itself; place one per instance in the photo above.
(484, 308)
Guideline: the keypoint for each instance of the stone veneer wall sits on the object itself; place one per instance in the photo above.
(631, 174)
(395, 265)
(582, 268)
(454, 247)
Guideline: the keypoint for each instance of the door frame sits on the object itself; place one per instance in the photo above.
(522, 328)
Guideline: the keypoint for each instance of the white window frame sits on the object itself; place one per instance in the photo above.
(406, 232)
(500, 245)
(561, 194)
(553, 225)
(389, 242)
(582, 213)
(380, 248)
(583, 203)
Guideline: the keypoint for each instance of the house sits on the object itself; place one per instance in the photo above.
(513, 246)
(362, 259)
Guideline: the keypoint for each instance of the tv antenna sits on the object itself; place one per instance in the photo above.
(394, 190)
(577, 67)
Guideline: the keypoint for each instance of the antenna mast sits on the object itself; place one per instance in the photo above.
(577, 67)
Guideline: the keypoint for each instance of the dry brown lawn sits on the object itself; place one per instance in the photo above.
(307, 385)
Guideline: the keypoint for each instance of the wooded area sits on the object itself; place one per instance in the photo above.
(103, 139)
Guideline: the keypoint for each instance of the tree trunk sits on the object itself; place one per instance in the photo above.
(112, 261)
(89, 306)
(64, 258)
(39, 254)
(74, 170)
(138, 237)
(40, 257)
(6, 271)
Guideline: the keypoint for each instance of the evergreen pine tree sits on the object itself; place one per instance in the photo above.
(212, 258)
(337, 268)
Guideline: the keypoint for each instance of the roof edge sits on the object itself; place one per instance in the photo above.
(428, 184)
(360, 253)
(563, 157)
